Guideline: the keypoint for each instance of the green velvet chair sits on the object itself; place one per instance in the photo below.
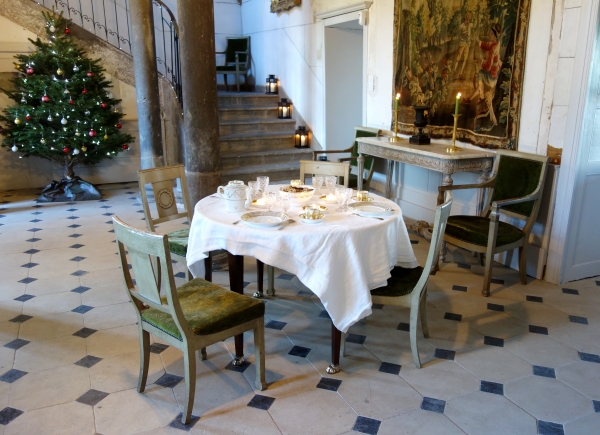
(190, 317)
(353, 150)
(408, 287)
(514, 190)
(237, 60)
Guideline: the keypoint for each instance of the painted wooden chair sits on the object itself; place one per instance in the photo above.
(339, 169)
(353, 150)
(190, 317)
(237, 60)
(515, 190)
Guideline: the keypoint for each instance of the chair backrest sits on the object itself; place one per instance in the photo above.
(151, 265)
(240, 45)
(163, 180)
(325, 168)
(517, 175)
(364, 132)
(439, 227)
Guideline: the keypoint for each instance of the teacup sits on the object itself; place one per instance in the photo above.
(295, 183)
(362, 195)
(312, 213)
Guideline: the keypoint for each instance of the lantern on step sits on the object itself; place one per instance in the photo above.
(284, 109)
(272, 88)
(301, 138)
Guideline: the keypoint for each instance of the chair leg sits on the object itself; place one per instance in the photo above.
(414, 314)
(271, 280)
(523, 263)
(237, 82)
(480, 256)
(343, 345)
(259, 355)
(208, 267)
(189, 362)
(423, 314)
(144, 358)
(203, 355)
(487, 275)
(225, 80)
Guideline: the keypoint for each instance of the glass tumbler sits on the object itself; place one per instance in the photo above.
(330, 182)
(340, 195)
(253, 188)
(317, 182)
(270, 199)
(263, 182)
(285, 201)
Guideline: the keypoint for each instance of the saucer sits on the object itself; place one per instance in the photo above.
(311, 221)
(322, 208)
(369, 199)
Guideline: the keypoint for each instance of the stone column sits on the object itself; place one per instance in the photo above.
(199, 79)
(146, 83)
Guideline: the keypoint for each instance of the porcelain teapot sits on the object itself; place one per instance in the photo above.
(237, 196)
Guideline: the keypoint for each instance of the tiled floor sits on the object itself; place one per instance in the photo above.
(524, 361)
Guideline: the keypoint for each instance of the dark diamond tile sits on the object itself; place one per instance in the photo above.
(81, 289)
(538, 329)
(493, 341)
(158, 348)
(459, 288)
(588, 357)
(275, 324)
(103, 200)
(497, 281)
(356, 338)
(79, 273)
(453, 316)
(285, 276)
(534, 299)
(377, 306)
(74, 226)
(329, 384)
(444, 354)
(305, 293)
(549, 428)
(88, 361)
(78, 258)
(76, 246)
(12, 375)
(179, 275)
(85, 332)
(239, 369)
(261, 402)
(8, 414)
(33, 240)
(37, 212)
(20, 318)
(299, 351)
(492, 387)
(82, 309)
(33, 230)
(546, 372)
(27, 280)
(177, 424)
(29, 265)
(414, 242)
(433, 405)
(169, 380)
(366, 425)
(577, 319)
(598, 283)
(403, 327)
(495, 307)
(107, 214)
(570, 291)
(72, 209)
(596, 403)
(17, 343)
(106, 206)
(76, 235)
(109, 222)
(464, 266)
(31, 251)
(91, 397)
(324, 315)
(35, 221)
(24, 298)
(392, 369)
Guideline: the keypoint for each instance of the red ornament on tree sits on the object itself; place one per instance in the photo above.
(84, 91)
(30, 71)
(71, 102)
(92, 133)
(67, 31)
(118, 126)
(28, 117)
(104, 105)
(90, 74)
(66, 150)
(45, 99)
(125, 147)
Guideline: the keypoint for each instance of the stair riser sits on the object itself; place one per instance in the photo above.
(249, 100)
(254, 113)
(284, 126)
(265, 159)
(280, 175)
(258, 144)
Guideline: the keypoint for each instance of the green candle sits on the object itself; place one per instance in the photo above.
(397, 99)
(457, 101)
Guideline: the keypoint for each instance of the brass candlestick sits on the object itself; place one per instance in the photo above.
(454, 148)
(395, 138)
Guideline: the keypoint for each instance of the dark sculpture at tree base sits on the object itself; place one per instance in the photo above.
(69, 189)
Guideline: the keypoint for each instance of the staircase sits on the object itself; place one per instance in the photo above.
(254, 141)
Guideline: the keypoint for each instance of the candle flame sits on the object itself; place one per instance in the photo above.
(458, 96)
(397, 96)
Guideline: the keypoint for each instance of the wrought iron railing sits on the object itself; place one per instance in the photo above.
(109, 20)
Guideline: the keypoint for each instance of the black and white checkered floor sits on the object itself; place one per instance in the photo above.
(524, 361)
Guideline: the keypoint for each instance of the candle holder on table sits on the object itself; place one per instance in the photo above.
(395, 138)
(420, 122)
(454, 148)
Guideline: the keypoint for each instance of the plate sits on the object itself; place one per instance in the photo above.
(312, 221)
(264, 219)
(355, 198)
(375, 209)
(324, 198)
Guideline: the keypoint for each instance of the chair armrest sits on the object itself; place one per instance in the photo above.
(220, 52)
(330, 152)
(497, 205)
(442, 189)
(347, 159)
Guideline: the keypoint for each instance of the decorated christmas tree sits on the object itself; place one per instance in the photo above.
(63, 111)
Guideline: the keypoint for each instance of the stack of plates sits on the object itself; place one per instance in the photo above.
(264, 219)
(371, 209)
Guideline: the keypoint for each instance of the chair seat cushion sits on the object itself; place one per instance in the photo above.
(474, 230)
(178, 241)
(207, 308)
(402, 282)
(229, 68)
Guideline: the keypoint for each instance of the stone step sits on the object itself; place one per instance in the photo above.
(228, 113)
(275, 172)
(257, 125)
(261, 158)
(256, 142)
(247, 99)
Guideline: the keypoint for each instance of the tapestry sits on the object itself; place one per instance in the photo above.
(475, 47)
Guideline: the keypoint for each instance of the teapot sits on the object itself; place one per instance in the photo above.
(237, 196)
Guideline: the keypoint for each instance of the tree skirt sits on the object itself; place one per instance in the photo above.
(67, 190)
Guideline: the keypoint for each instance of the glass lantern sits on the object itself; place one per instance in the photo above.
(284, 109)
(271, 88)
(301, 138)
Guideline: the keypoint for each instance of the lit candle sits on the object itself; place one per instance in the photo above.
(303, 140)
(457, 101)
(260, 201)
(285, 112)
(272, 87)
(397, 100)
(330, 197)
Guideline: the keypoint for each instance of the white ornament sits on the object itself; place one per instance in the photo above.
(63, 121)
(75, 68)
(75, 151)
(49, 118)
(14, 149)
(52, 29)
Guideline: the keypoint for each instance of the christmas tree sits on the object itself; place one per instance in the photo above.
(63, 110)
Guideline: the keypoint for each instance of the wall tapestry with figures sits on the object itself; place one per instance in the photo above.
(475, 47)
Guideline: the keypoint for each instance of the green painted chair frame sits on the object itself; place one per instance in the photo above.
(353, 150)
(415, 295)
(514, 190)
(237, 60)
(150, 259)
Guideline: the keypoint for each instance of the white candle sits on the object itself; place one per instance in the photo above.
(260, 201)
(285, 112)
(272, 87)
(330, 197)
(302, 140)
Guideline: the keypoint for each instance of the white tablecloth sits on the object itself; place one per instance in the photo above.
(340, 260)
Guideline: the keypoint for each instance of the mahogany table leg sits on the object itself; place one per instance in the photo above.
(208, 267)
(260, 271)
(336, 341)
(236, 283)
